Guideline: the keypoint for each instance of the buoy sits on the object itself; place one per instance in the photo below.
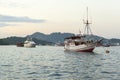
(107, 51)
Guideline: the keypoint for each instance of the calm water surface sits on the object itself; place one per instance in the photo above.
(53, 63)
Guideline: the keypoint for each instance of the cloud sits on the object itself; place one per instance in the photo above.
(11, 3)
(5, 24)
(4, 18)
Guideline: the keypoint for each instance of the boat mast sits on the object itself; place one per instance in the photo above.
(80, 33)
(87, 30)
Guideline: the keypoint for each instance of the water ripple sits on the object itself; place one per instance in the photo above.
(107, 72)
(55, 74)
(53, 63)
(32, 73)
(7, 65)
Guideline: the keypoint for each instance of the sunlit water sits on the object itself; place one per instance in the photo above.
(53, 63)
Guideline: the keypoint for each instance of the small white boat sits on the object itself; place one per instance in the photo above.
(29, 43)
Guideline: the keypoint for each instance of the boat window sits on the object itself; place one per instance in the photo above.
(77, 43)
(82, 42)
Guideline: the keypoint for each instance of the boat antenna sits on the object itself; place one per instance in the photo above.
(87, 13)
(87, 30)
(80, 32)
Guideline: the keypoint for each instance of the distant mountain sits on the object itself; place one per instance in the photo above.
(59, 37)
(50, 39)
(53, 37)
(114, 40)
(14, 40)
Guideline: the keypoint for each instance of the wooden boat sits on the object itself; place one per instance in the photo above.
(20, 44)
(82, 43)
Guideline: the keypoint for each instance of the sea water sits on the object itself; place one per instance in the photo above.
(53, 63)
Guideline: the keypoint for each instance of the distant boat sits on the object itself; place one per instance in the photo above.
(29, 43)
(20, 44)
(81, 43)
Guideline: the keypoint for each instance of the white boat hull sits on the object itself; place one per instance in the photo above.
(29, 45)
(80, 48)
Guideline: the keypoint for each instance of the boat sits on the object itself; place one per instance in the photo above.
(29, 43)
(82, 42)
(20, 44)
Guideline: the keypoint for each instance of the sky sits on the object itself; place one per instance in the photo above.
(24, 17)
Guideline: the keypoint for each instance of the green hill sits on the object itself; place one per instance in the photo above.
(14, 40)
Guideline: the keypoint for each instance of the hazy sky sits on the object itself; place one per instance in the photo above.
(23, 17)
